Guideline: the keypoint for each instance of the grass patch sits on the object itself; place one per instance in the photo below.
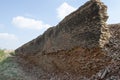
(2, 55)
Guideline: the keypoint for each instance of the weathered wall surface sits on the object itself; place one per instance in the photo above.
(81, 28)
(112, 48)
(75, 48)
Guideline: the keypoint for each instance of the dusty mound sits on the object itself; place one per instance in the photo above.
(80, 47)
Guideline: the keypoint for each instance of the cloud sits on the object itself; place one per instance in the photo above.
(8, 41)
(29, 23)
(6, 36)
(64, 10)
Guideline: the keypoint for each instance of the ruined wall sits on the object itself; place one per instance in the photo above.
(81, 47)
(81, 28)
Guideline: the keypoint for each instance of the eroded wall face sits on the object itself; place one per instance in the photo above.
(81, 28)
(75, 47)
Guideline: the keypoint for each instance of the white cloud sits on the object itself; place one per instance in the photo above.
(29, 23)
(64, 9)
(8, 41)
(6, 36)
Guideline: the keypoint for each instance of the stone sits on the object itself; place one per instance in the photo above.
(80, 47)
(81, 28)
(113, 45)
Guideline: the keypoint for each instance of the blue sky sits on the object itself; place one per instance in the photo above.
(24, 20)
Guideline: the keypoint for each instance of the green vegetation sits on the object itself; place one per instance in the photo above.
(2, 55)
(9, 69)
